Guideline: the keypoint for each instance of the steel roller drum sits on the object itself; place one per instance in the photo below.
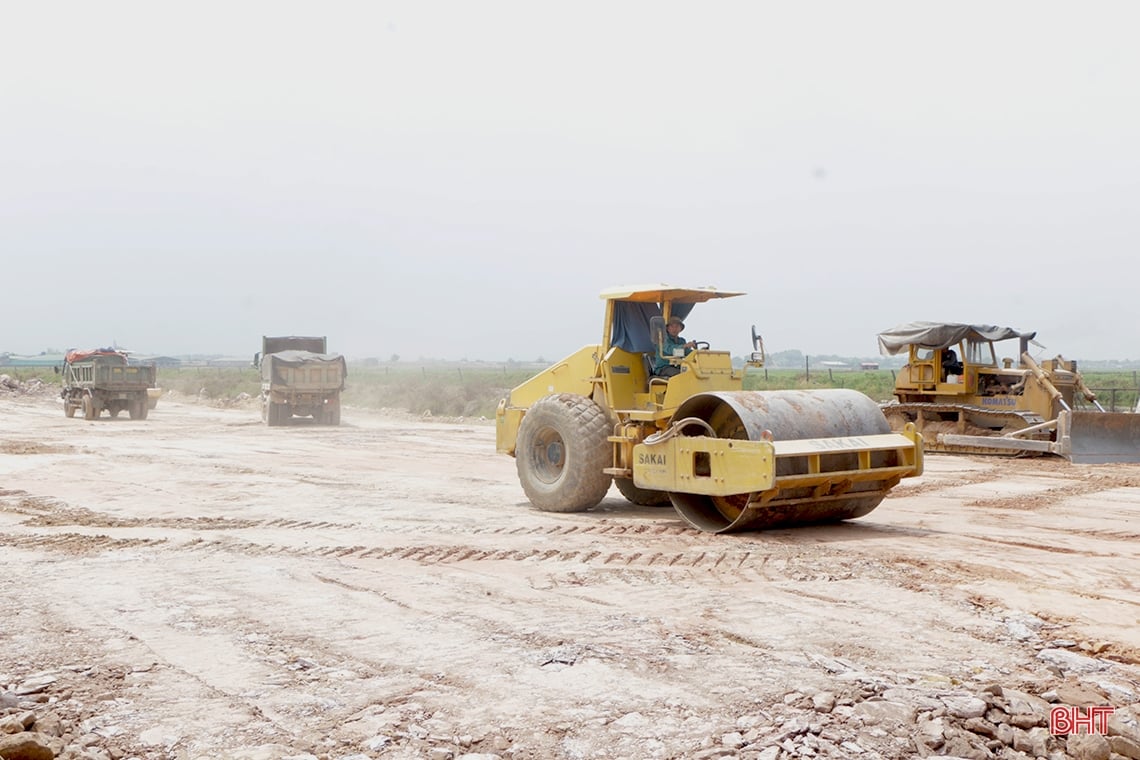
(787, 415)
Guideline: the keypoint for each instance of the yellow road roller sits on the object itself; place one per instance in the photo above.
(668, 422)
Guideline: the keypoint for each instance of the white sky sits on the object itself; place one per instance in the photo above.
(461, 180)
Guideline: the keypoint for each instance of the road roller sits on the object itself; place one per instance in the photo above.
(667, 421)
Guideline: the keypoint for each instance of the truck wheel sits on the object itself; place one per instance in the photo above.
(138, 410)
(89, 410)
(332, 412)
(277, 414)
(68, 408)
(561, 452)
(643, 497)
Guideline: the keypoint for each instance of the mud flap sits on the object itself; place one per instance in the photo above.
(1104, 437)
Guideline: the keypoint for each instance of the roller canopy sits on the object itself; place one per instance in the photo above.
(661, 292)
(635, 305)
(936, 335)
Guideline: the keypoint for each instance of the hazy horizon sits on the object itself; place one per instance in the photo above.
(462, 180)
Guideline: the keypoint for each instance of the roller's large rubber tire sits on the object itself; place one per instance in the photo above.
(561, 451)
(90, 412)
(643, 497)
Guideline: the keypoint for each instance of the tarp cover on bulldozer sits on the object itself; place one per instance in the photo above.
(935, 335)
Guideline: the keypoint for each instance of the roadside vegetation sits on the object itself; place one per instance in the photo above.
(475, 390)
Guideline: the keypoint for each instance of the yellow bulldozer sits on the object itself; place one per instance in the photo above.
(726, 459)
(962, 399)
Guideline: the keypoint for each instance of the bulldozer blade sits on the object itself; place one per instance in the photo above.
(1104, 437)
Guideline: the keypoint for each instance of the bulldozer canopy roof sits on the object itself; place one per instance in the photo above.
(660, 292)
(936, 335)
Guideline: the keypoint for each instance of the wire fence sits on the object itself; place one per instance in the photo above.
(1117, 399)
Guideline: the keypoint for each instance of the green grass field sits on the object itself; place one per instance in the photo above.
(475, 390)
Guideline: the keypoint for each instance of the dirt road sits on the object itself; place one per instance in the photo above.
(198, 585)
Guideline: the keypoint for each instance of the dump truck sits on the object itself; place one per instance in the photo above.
(963, 399)
(105, 378)
(299, 378)
(724, 458)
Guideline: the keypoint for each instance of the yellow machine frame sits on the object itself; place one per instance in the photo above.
(619, 381)
(840, 475)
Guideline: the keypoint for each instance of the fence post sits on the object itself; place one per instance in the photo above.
(807, 369)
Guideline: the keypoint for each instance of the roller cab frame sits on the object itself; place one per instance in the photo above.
(695, 440)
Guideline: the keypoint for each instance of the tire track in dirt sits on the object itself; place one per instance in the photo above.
(935, 485)
(35, 447)
(631, 567)
(74, 544)
(1081, 484)
(769, 560)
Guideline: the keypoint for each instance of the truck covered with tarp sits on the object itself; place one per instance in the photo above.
(105, 378)
(299, 378)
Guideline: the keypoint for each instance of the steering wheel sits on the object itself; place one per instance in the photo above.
(701, 344)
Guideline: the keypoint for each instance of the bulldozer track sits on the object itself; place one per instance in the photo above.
(1024, 419)
(979, 421)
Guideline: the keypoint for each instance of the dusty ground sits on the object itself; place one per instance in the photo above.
(198, 585)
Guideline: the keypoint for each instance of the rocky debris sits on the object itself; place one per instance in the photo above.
(10, 386)
(980, 712)
(242, 400)
(43, 716)
(997, 721)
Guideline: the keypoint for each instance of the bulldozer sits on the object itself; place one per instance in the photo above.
(724, 458)
(962, 399)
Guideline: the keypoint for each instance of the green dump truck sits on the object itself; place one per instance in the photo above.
(299, 378)
(104, 378)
